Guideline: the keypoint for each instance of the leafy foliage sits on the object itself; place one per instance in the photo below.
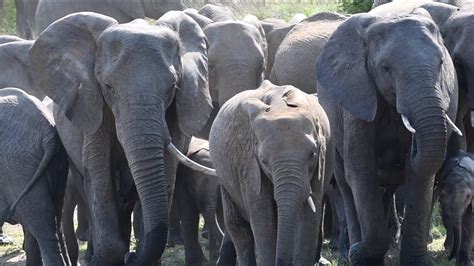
(7, 18)
(354, 6)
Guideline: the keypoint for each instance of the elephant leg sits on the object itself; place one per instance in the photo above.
(262, 215)
(174, 230)
(68, 223)
(350, 228)
(214, 235)
(30, 245)
(417, 221)
(360, 173)
(239, 231)
(190, 226)
(109, 248)
(43, 228)
(227, 254)
(464, 258)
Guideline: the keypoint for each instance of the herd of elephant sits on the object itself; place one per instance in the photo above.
(279, 134)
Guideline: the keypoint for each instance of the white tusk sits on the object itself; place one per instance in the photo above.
(407, 124)
(311, 204)
(455, 128)
(188, 162)
(472, 118)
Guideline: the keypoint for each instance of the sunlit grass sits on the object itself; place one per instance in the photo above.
(7, 18)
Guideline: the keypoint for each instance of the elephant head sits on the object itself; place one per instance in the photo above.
(457, 197)
(236, 58)
(15, 55)
(289, 143)
(457, 28)
(370, 61)
(126, 76)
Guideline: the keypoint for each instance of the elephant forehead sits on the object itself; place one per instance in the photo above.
(288, 119)
(138, 37)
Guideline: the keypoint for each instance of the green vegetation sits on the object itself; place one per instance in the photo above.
(7, 18)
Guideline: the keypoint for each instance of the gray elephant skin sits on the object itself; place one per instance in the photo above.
(196, 194)
(295, 59)
(217, 13)
(34, 171)
(236, 61)
(370, 72)
(122, 92)
(457, 206)
(272, 151)
(25, 18)
(49, 11)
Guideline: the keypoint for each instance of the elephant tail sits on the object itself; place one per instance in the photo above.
(49, 147)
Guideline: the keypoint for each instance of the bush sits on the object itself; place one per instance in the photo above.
(355, 6)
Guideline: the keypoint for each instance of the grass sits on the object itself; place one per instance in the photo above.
(8, 18)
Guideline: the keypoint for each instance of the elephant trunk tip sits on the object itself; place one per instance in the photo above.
(151, 239)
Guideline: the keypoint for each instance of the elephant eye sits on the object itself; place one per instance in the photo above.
(109, 88)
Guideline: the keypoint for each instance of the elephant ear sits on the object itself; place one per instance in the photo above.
(253, 20)
(62, 63)
(439, 12)
(193, 101)
(342, 71)
(252, 107)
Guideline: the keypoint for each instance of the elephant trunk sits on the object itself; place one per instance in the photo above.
(289, 196)
(238, 78)
(144, 141)
(429, 141)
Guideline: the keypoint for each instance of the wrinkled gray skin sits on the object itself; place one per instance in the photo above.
(197, 194)
(14, 59)
(364, 110)
(116, 105)
(25, 18)
(274, 39)
(236, 61)
(271, 148)
(217, 13)
(31, 149)
(457, 28)
(457, 206)
(295, 59)
(200, 19)
(123, 11)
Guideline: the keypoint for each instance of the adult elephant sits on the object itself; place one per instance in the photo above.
(217, 13)
(123, 92)
(295, 58)
(236, 61)
(373, 78)
(25, 18)
(123, 11)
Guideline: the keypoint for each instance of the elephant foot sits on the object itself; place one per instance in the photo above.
(174, 240)
(110, 253)
(358, 255)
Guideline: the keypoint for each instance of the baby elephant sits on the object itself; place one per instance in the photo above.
(196, 194)
(33, 173)
(457, 206)
(273, 154)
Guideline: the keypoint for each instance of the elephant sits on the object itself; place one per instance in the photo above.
(377, 75)
(217, 13)
(273, 152)
(274, 39)
(14, 59)
(25, 18)
(49, 11)
(200, 19)
(34, 172)
(196, 194)
(294, 61)
(9, 38)
(457, 205)
(124, 94)
(297, 18)
(236, 61)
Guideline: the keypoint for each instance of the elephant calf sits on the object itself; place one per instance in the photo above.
(457, 206)
(197, 193)
(272, 151)
(33, 170)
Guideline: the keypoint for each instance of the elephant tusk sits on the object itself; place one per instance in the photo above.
(407, 124)
(188, 162)
(311, 204)
(455, 128)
